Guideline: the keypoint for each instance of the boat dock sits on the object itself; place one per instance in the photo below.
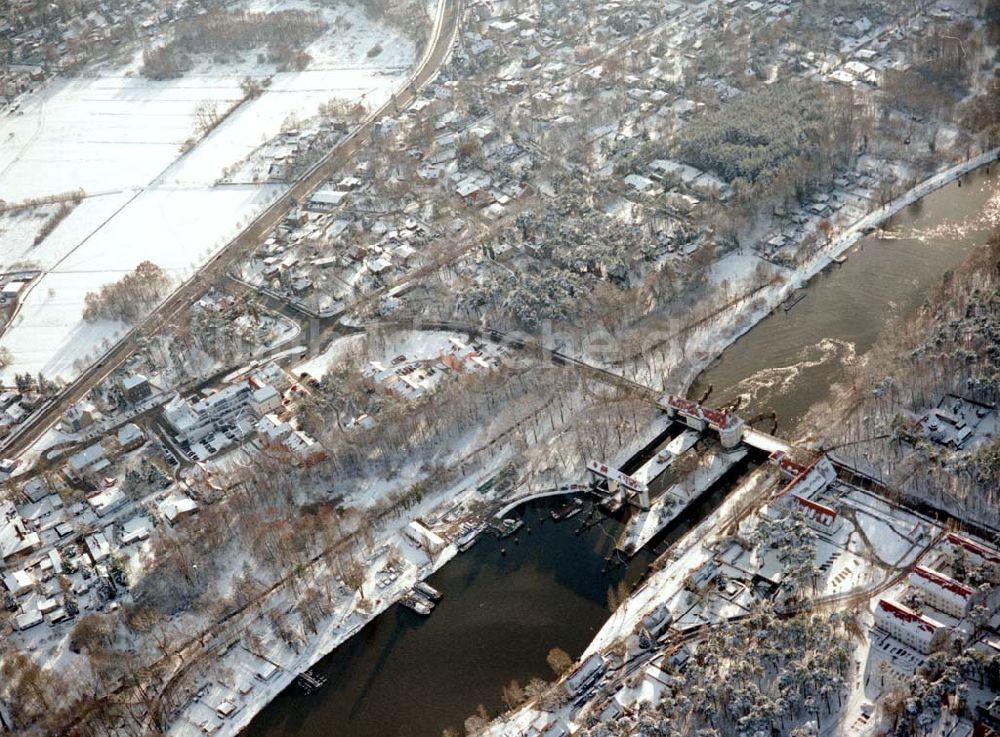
(797, 297)
(422, 587)
(508, 526)
(568, 510)
(309, 681)
(646, 524)
(468, 534)
(418, 603)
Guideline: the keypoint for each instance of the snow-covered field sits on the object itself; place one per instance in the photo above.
(118, 136)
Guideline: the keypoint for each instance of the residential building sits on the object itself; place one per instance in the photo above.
(15, 537)
(943, 592)
(87, 464)
(80, 416)
(98, 547)
(194, 421)
(266, 399)
(272, 430)
(976, 553)
(914, 630)
(136, 388)
(109, 498)
(130, 437)
(585, 674)
(177, 507)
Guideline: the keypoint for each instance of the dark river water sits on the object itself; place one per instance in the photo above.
(412, 676)
(788, 361)
(409, 676)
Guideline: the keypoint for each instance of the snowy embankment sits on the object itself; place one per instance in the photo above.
(708, 341)
(119, 137)
(329, 638)
(686, 555)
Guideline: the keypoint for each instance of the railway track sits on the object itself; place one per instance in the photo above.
(439, 47)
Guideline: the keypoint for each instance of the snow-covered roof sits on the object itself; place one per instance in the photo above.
(894, 615)
(90, 458)
(978, 552)
(130, 382)
(176, 506)
(129, 433)
(14, 536)
(17, 582)
(940, 586)
(107, 500)
(586, 672)
(264, 394)
(98, 546)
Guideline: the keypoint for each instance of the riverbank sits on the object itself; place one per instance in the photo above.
(479, 638)
(735, 322)
(823, 258)
(792, 360)
(688, 554)
(338, 630)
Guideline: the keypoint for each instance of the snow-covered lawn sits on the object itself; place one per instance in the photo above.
(118, 136)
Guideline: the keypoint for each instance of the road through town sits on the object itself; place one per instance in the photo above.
(439, 46)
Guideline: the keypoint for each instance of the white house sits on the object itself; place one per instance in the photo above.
(943, 592)
(914, 630)
(109, 498)
(88, 462)
(98, 546)
(15, 538)
(18, 582)
(266, 399)
(192, 422)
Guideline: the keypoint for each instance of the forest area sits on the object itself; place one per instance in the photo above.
(283, 34)
(950, 346)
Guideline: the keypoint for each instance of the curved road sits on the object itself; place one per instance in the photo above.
(443, 37)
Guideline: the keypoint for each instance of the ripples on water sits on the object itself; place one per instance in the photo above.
(789, 361)
(777, 380)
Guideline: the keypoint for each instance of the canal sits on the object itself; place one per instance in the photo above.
(405, 675)
(409, 676)
(789, 360)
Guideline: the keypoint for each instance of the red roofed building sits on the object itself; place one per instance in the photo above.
(914, 630)
(977, 553)
(728, 425)
(943, 592)
(804, 480)
(821, 516)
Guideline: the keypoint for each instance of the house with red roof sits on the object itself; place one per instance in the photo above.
(914, 630)
(976, 553)
(943, 592)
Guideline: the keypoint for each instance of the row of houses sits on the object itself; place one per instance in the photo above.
(942, 593)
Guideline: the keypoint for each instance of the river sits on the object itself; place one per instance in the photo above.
(789, 360)
(405, 675)
(413, 676)
(410, 676)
